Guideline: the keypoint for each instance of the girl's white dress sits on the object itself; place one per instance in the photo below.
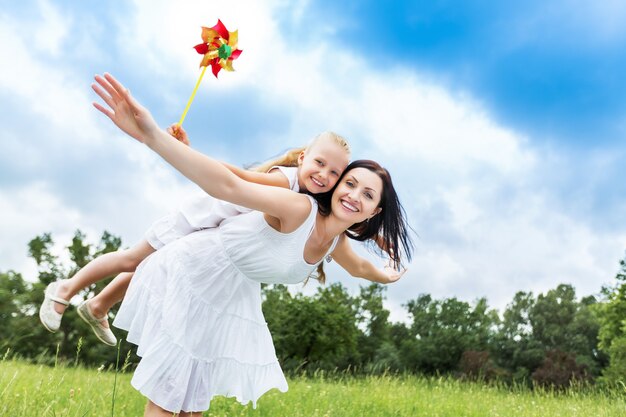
(203, 212)
(193, 309)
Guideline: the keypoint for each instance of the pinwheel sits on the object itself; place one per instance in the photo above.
(219, 47)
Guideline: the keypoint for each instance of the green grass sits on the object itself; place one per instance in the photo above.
(37, 390)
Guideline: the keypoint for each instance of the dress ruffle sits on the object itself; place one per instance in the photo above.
(189, 384)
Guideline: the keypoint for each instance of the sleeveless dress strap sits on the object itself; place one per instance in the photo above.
(291, 173)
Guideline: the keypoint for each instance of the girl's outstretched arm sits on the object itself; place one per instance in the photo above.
(131, 117)
(272, 177)
(359, 267)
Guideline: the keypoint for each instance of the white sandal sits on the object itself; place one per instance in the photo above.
(103, 333)
(50, 319)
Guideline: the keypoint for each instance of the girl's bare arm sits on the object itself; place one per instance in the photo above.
(273, 177)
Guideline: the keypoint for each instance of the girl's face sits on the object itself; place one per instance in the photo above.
(357, 196)
(321, 166)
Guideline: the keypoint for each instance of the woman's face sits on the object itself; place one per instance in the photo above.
(357, 196)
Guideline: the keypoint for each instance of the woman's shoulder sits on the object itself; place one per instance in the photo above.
(297, 205)
(309, 203)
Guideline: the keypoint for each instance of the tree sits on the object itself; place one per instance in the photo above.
(514, 347)
(442, 330)
(562, 323)
(313, 332)
(375, 347)
(478, 365)
(12, 308)
(559, 370)
(552, 316)
(612, 333)
(28, 338)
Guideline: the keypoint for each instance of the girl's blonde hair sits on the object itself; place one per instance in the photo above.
(290, 159)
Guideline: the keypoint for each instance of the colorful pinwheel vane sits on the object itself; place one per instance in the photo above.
(219, 47)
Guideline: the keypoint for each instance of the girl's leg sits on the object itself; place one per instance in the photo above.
(153, 410)
(103, 266)
(111, 294)
(95, 310)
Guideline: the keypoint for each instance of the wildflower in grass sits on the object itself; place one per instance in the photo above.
(56, 355)
(126, 362)
(78, 347)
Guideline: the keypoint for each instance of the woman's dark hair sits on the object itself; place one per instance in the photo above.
(389, 228)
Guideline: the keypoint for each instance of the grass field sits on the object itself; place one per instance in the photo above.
(37, 390)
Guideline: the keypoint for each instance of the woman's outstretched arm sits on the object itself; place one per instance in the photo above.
(359, 267)
(135, 120)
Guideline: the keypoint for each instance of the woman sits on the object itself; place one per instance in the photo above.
(194, 307)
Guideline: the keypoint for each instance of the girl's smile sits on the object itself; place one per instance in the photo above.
(321, 166)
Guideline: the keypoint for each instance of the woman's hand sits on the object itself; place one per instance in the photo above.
(391, 273)
(179, 133)
(123, 109)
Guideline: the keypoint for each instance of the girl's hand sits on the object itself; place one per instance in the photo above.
(123, 109)
(391, 273)
(179, 133)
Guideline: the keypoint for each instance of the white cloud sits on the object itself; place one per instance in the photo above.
(29, 212)
(409, 117)
(62, 133)
(522, 244)
(499, 232)
(165, 33)
(561, 23)
(474, 189)
(603, 20)
(49, 35)
(50, 92)
(152, 190)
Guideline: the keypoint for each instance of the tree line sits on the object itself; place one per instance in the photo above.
(553, 338)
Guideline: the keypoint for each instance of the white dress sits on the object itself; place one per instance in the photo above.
(203, 212)
(193, 309)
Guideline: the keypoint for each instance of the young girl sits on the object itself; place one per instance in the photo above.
(315, 169)
(194, 307)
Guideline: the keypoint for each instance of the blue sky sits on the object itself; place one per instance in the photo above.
(503, 125)
(549, 69)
